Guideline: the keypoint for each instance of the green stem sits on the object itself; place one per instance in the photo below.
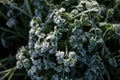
(3, 15)
(107, 15)
(21, 10)
(2, 66)
(107, 72)
(5, 59)
(7, 30)
(66, 48)
(106, 32)
(19, 33)
(84, 12)
(108, 75)
(5, 76)
(12, 73)
(28, 7)
(8, 72)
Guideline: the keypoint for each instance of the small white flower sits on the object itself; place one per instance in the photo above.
(38, 32)
(32, 31)
(60, 54)
(61, 9)
(75, 11)
(37, 45)
(19, 64)
(21, 57)
(32, 23)
(45, 47)
(72, 54)
(57, 19)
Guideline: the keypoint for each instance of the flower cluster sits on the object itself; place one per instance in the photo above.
(65, 43)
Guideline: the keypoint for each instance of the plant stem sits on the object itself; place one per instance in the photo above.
(66, 48)
(21, 10)
(3, 15)
(12, 73)
(108, 76)
(28, 7)
(90, 10)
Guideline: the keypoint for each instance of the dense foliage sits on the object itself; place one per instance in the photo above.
(72, 40)
(68, 42)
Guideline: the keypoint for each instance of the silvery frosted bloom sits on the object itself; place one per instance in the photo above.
(58, 20)
(61, 9)
(34, 54)
(32, 31)
(11, 22)
(37, 63)
(23, 50)
(17, 56)
(33, 60)
(54, 41)
(75, 12)
(84, 39)
(94, 4)
(38, 32)
(26, 63)
(45, 47)
(22, 53)
(41, 36)
(19, 64)
(66, 62)
(72, 55)
(37, 45)
(35, 22)
(60, 56)
(88, 5)
(50, 36)
(72, 59)
(20, 57)
(31, 44)
(32, 23)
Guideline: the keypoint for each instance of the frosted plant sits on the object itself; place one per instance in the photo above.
(60, 46)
